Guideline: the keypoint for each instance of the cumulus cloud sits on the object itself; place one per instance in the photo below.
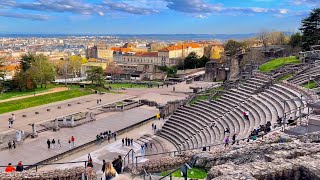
(25, 16)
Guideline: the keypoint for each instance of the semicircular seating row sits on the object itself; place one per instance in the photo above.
(303, 77)
(204, 122)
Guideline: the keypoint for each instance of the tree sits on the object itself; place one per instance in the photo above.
(75, 64)
(310, 29)
(2, 75)
(203, 61)
(295, 40)
(41, 70)
(264, 38)
(21, 79)
(233, 47)
(191, 61)
(95, 74)
(26, 61)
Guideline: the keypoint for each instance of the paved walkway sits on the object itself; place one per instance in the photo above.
(35, 150)
(53, 90)
(89, 101)
(107, 151)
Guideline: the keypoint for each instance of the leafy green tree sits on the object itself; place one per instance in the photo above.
(310, 29)
(41, 70)
(172, 71)
(95, 74)
(295, 40)
(26, 61)
(202, 61)
(191, 61)
(22, 80)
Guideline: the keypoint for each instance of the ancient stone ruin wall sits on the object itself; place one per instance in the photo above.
(72, 173)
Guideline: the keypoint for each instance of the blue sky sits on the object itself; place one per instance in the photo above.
(152, 16)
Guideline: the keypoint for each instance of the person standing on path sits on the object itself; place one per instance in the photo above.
(9, 145)
(48, 143)
(226, 141)
(53, 142)
(72, 141)
(59, 144)
(97, 101)
(155, 128)
(122, 141)
(126, 141)
(152, 126)
(115, 135)
(131, 142)
(14, 144)
(117, 164)
(70, 146)
(103, 169)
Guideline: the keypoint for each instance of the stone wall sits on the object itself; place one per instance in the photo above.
(72, 173)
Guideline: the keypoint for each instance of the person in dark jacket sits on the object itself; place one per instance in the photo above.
(19, 167)
(117, 164)
(103, 169)
(48, 143)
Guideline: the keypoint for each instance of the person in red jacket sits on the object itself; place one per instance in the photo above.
(72, 141)
(10, 168)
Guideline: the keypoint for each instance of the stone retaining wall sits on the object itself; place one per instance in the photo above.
(73, 173)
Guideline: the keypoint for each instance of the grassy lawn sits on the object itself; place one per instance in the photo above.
(199, 97)
(12, 94)
(194, 173)
(41, 100)
(311, 85)
(276, 63)
(285, 77)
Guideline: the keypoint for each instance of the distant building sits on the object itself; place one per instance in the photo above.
(103, 52)
(150, 58)
(85, 67)
(171, 54)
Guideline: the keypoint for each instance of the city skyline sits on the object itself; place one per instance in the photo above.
(152, 17)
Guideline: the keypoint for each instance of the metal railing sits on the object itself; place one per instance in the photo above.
(127, 156)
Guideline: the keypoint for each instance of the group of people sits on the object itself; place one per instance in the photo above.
(107, 135)
(234, 140)
(12, 144)
(127, 141)
(52, 144)
(18, 168)
(11, 120)
(99, 101)
(111, 170)
(145, 146)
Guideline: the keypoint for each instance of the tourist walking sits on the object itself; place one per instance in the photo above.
(10, 168)
(152, 126)
(72, 141)
(110, 171)
(122, 141)
(48, 143)
(155, 128)
(70, 145)
(115, 135)
(14, 144)
(59, 144)
(90, 163)
(117, 164)
(226, 141)
(126, 141)
(97, 101)
(19, 167)
(234, 139)
(53, 142)
(10, 145)
(103, 169)
(131, 141)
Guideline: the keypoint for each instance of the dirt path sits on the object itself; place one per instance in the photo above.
(53, 90)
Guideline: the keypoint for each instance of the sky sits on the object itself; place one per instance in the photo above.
(152, 16)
